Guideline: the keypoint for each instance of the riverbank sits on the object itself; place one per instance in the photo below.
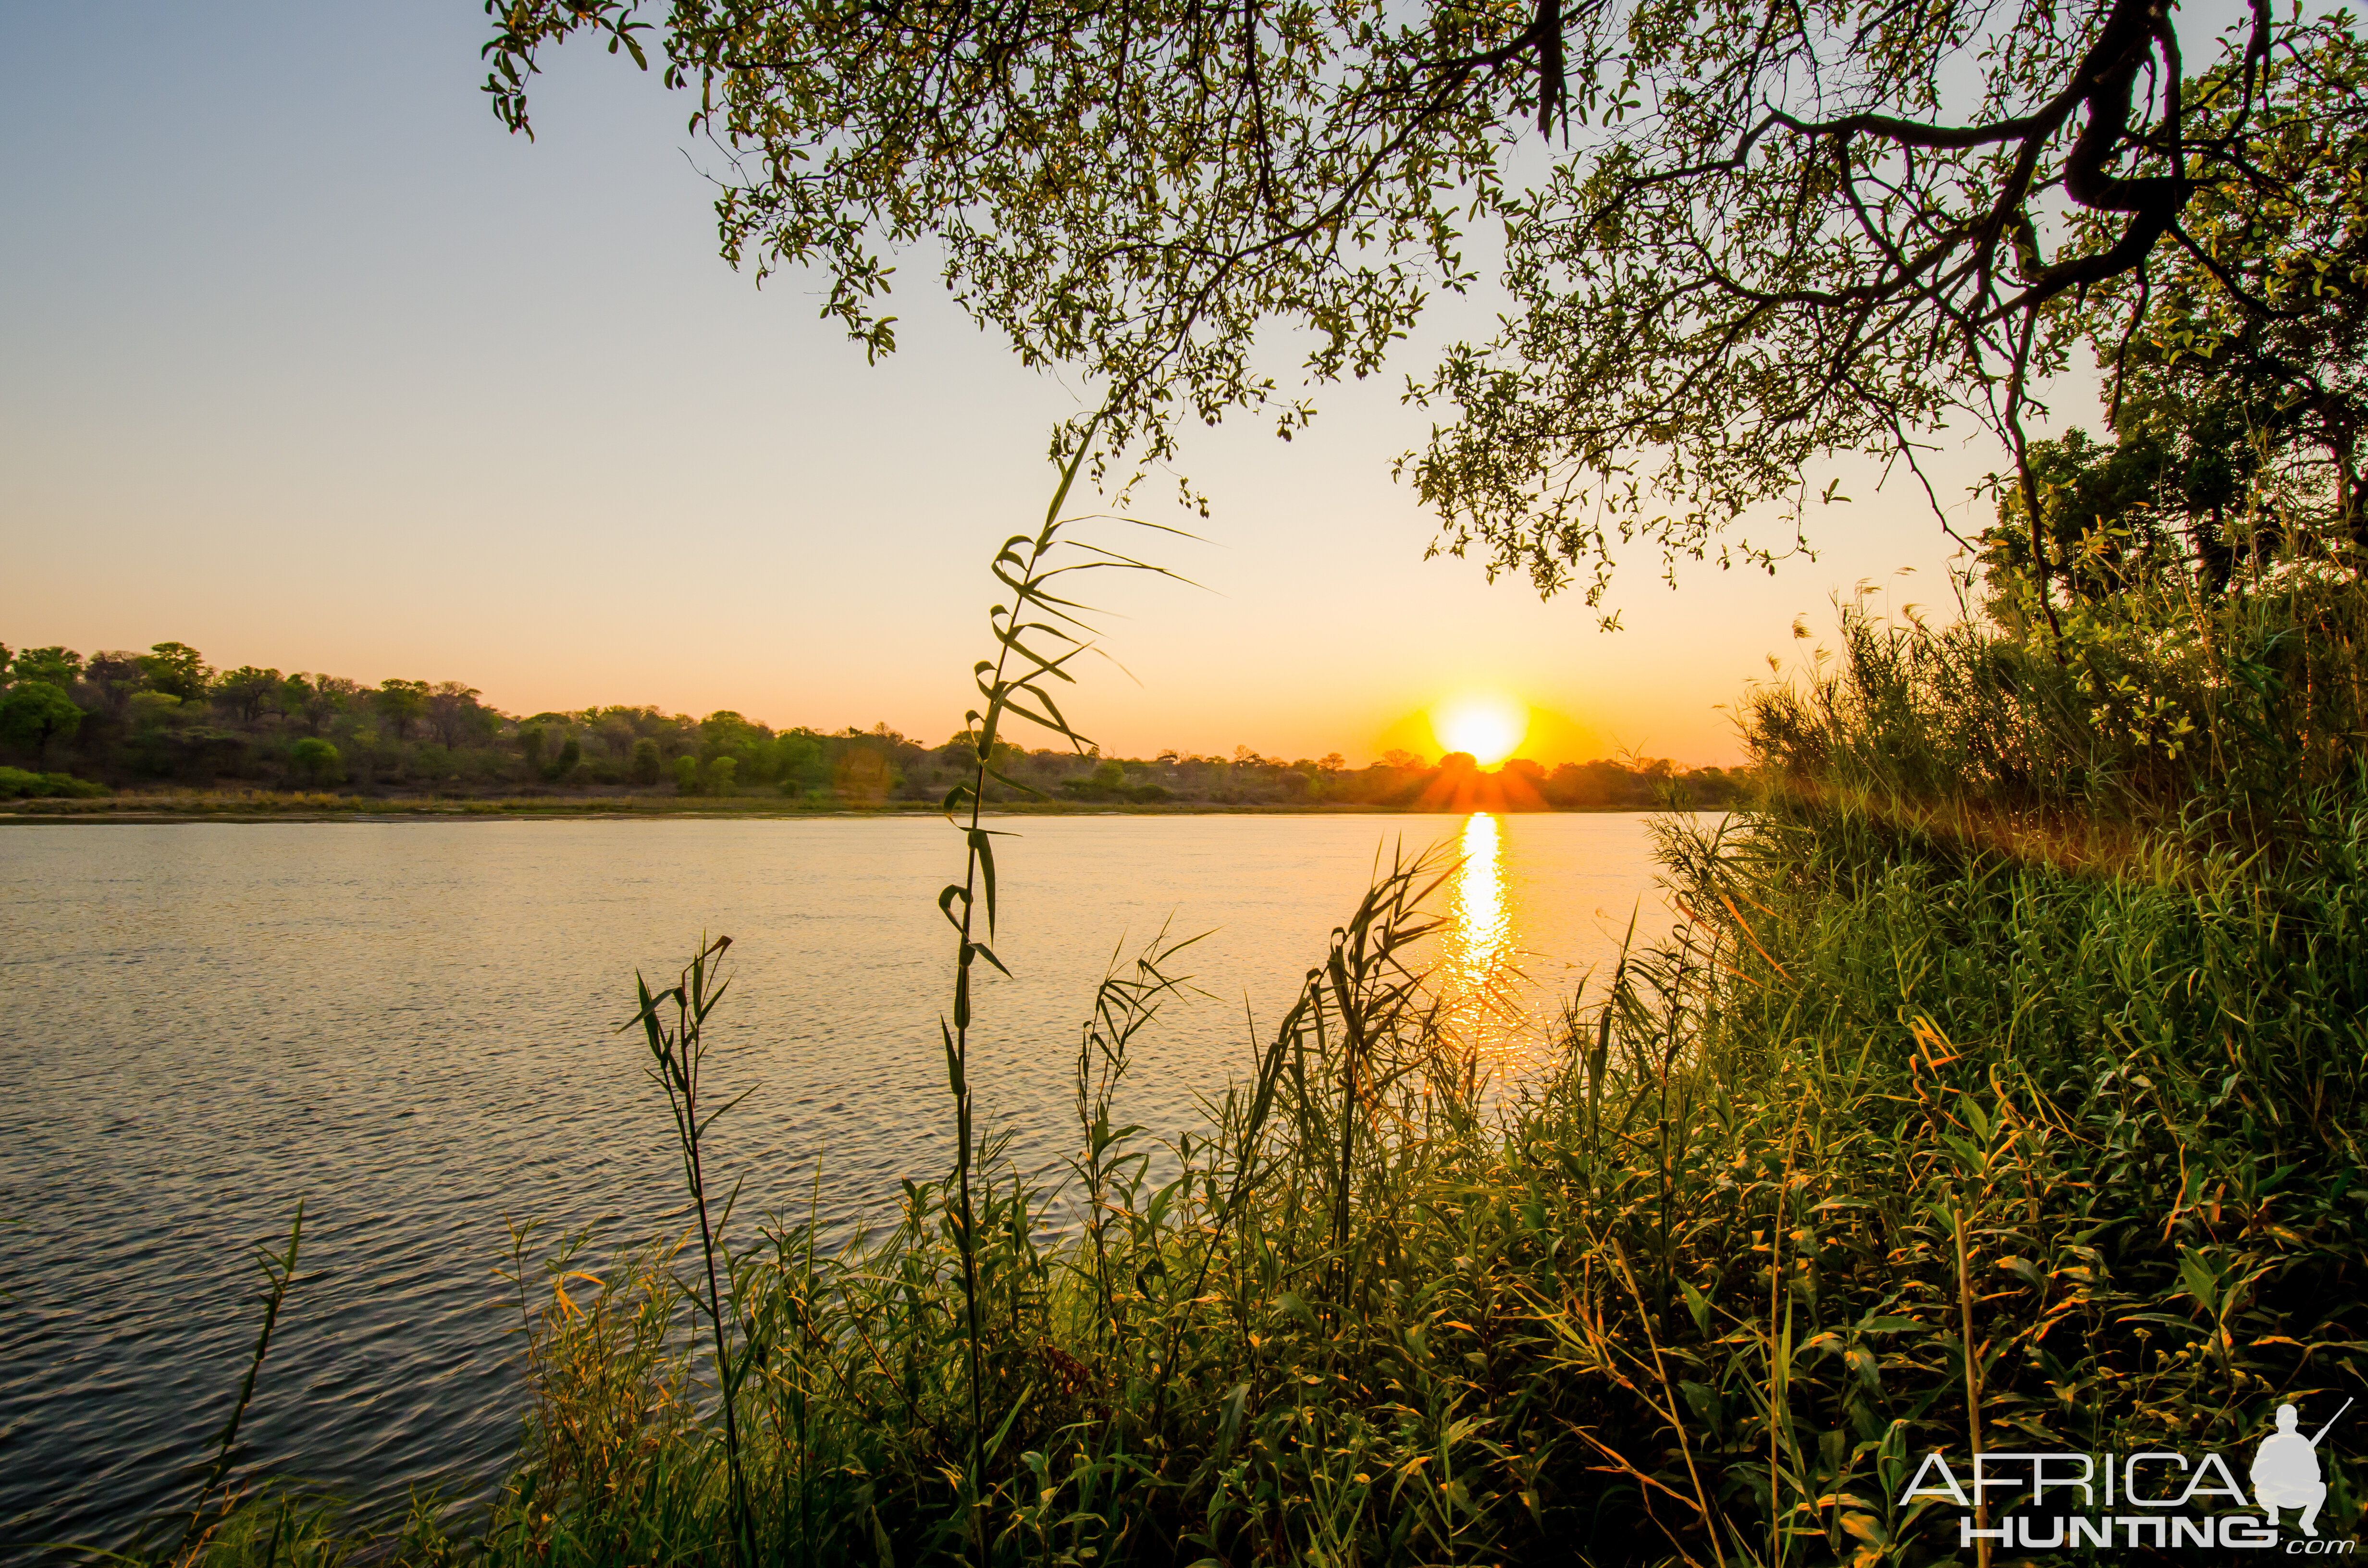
(271, 806)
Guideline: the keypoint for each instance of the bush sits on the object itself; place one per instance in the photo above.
(648, 767)
(17, 784)
(315, 761)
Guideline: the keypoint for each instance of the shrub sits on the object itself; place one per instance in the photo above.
(15, 784)
(564, 766)
(315, 761)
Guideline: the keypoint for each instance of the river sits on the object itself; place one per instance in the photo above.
(411, 1026)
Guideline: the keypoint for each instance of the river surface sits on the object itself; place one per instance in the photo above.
(410, 1026)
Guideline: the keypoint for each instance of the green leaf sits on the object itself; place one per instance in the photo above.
(1698, 1305)
(982, 845)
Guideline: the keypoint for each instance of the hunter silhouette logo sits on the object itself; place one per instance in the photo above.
(2285, 1470)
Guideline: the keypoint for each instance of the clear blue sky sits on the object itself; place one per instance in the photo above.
(305, 362)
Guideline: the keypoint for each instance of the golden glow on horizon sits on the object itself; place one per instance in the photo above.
(1487, 724)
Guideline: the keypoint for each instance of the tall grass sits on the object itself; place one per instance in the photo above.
(2000, 1087)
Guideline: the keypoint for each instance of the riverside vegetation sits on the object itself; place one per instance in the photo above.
(1999, 1089)
(176, 731)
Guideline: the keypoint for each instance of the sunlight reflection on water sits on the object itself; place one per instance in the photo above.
(1491, 1000)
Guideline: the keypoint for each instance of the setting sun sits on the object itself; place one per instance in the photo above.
(1489, 726)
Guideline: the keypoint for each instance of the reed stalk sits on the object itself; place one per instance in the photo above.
(1037, 635)
(279, 1272)
(677, 1055)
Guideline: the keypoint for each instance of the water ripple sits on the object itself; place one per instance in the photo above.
(411, 1026)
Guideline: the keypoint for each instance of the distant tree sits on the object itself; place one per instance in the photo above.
(686, 774)
(453, 709)
(722, 774)
(247, 691)
(112, 675)
(156, 710)
(317, 698)
(725, 735)
(648, 764)
(1403, 760)
(571, 754)
(1106, 782)
(400, 702)
(315, 761)
(175, 669)
(618, 728)
(799, 762)
(1332, 762)
(35, 712)
(532, 739)
(56, 666)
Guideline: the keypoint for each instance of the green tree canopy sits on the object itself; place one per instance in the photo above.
(247, 691)
(317, 698)
(55, 666)
(2248, 342)
(177, 670)
(35, 712)
(1751, 238)
(400, 703)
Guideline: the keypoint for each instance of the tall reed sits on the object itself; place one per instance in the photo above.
(1037, 635)
(677, 1055)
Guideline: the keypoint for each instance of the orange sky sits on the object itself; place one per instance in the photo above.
(401, 395)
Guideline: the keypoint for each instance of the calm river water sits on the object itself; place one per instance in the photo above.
(409, 1025)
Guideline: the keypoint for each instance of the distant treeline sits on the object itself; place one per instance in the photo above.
(165, 718)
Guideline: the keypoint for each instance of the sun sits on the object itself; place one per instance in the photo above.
(1487, 724)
